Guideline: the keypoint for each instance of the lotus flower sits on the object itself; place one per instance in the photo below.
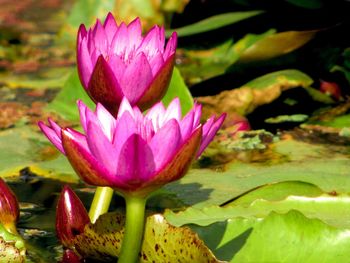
(116, 61)
(71, 216)
(9, 209)
(134, 153)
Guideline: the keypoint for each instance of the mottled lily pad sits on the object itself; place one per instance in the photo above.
(162, 241)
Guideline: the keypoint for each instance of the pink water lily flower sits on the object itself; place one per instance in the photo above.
(134, 153)
(116, 61)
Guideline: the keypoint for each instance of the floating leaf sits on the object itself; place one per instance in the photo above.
(323, 165)
(214, 22)
(286, 238)
(35, 153)
(287, 118)
(257, 92)
(162, 242)
(198, 65)
(276, 45)
(331, 208)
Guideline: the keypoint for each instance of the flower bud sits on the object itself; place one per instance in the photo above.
(9, 209)
(71, 216)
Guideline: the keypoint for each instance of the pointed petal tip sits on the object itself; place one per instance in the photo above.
(82, 31)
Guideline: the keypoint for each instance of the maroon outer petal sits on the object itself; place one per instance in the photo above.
(84, 164)
(158, 86)
(103, 87)
(176, 168)
(71, 216)
(9, 209)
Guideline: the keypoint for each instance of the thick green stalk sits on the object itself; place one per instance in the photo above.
(100, 203)
(133, 234)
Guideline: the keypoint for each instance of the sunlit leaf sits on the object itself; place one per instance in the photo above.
(178, 88)
(331, 208)
(276, 45)
(257, 92)
(286, 238)
(214, 22)
(323, 165)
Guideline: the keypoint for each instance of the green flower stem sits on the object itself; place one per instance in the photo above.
(133, 234)
(100, 203)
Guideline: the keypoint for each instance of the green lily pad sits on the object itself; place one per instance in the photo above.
(162, 242)
(332, 208)
(286, 238)
(323, 165)
(34, 153)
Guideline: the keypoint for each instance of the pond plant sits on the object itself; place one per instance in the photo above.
(147, 173)
(132, 153)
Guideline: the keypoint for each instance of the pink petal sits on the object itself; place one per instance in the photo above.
(165, 143)
(156, 63)
(135, 162)
(82, 113)
(178, 164)
(197, 108)
(84, 163)
(100, 38)
(187, 125)
(155, 114)
(55, 127)
(120, 41)
(136, 79)
(101, 147)
(173, 111)
(151, 43)
(117, 65)
(82, 33)
(106, 120)
(84, 63)
(161, 39)
(125, 107)
(170, 46)
(52, 136)
(78, 137)
(135, 34)
(110, 27)
(209, 130)
(125, 127)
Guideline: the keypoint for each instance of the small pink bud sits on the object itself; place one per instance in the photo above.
(9, 209)
(330, 88)
(71, 216)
